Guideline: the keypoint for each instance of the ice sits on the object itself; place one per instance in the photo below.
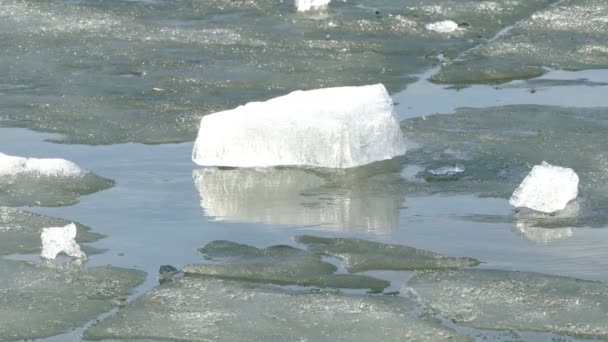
(20, 231)
(278, 265)
(362, 255)
(504, 300)
(340, 127)
(47, 181)
(445, 26)
(12, 166)
(364, 199)
(203, 309)
(38, 301)
(307, 5)
(542, 235)
(60, 239)
(547, 188)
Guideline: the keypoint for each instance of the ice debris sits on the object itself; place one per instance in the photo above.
(445, 26)
(307, 5)
(504, 300)
(547, 188)
(60, 239)
(38, 301)
(12, 165)
(204, 309)
(339, 127)
(278, 265)
(363, 255)
(20, 231)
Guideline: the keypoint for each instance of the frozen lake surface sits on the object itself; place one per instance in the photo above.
(122, 86)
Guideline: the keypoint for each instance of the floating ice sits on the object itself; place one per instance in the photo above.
(47, 181)
(276, 264)
(60, 239)
(445, 26)
(20, 231)
(307, 5)
(203, 309)
(12, 165)
(37, 301)
(362, 255)
(447, 170)
(503, 300)
(333, 127)
(547, 188)
(542, 235)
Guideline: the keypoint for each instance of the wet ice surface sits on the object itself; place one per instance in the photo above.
(570, 35)
(20, 231)
(45, 181)
(198, 309)
(498, 145)
(146, 71)
(362, 255)
(491, 299)
(277, 265)
(39, 300)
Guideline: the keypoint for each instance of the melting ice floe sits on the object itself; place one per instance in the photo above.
(445, 26)
(60, 239)
(547, 188)
(307, 5)
(333, 127)
(12, 165)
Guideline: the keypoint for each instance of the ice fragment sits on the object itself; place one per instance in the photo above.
(307, 5)
(547, 188)
(333, 127)
(445, 26)
(60, 239)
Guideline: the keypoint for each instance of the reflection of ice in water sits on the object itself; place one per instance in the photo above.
(542, 235)
(528, 224)
(299, 197)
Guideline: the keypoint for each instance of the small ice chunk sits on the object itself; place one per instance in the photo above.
(445, 26)
(547, 188)
(12, 165)
(60, 239)
(447, 170)
(307, 5)
(339, 127)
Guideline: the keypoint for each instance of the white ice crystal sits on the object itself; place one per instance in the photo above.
(60, 239)
(547, 188)
(339, 127)
(445, 26)
(307, 5)
(12, 165)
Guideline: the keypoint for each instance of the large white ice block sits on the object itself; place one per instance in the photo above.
(12, 165)
(547, 188)
(60, 239)
(307, 5)
(333, 127)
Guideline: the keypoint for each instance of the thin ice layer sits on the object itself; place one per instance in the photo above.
(547, 188)
(339, 127)
(277, 265)
(570, 35)
(363, 199)
(498, 145)
(144, 71)
(199, 309)
(38, 301)
(20, 231)
(57, 240)
(45, 181)
(363, 255)
(502, 300)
